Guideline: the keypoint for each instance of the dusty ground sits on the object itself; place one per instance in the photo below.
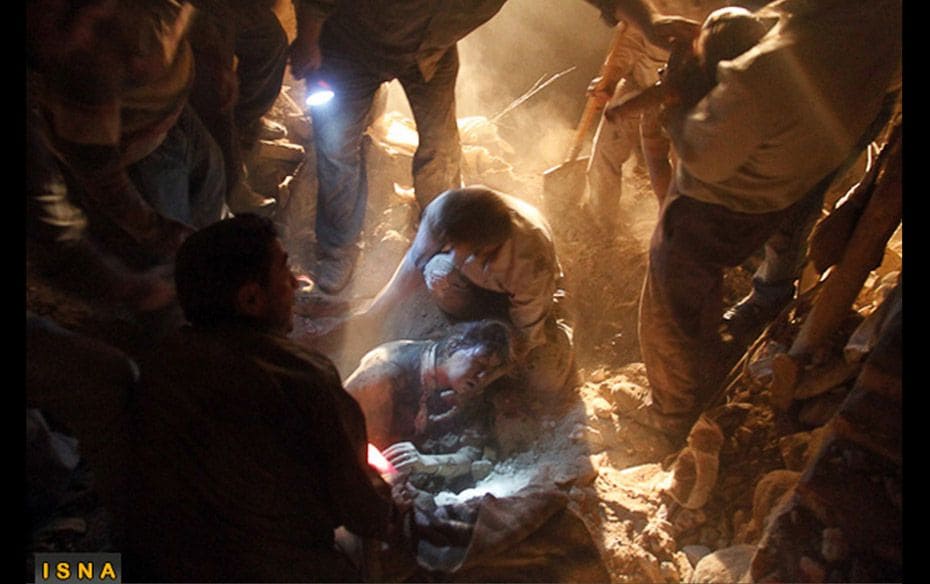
(615, 472)
(609, 466)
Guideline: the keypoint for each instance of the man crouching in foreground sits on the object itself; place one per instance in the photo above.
(250, 453)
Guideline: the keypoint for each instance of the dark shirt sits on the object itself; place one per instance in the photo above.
(249, 454)
(390, 35)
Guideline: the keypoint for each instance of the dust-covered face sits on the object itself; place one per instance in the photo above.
(470, 370)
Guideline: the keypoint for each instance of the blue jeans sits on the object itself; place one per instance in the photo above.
(183, 179)
(338, 127)
(773, 283)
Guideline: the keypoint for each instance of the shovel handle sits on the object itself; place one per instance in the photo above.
(591, 109)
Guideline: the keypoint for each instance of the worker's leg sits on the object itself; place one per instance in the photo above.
(261, 50)
(682, 302)
(437, 161)
(613, 144)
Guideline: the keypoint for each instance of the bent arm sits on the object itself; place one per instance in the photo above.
(372, 386)
(108, 188)
(658, 28)
(408, 274)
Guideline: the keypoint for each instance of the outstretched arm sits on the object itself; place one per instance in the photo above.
(406, 459)
(408, 274)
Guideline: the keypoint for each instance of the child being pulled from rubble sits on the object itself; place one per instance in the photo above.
(413, 392)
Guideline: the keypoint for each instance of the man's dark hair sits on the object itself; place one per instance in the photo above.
(475, 215)
(493, 336)
(728, 33)
(216, 261)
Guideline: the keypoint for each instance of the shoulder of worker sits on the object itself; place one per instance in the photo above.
(228, 348)
(385, 359)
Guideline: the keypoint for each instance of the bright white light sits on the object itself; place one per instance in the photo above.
(320, 97)
(378, 462)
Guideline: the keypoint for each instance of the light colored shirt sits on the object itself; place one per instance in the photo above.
(525, 267)
(788, 112)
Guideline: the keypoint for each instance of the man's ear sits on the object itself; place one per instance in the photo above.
(250, 300)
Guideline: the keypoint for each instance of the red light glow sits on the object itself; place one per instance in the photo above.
(377, 461)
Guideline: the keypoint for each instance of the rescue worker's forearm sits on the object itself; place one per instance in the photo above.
(311, 14)
(109, 190)
(403, 283)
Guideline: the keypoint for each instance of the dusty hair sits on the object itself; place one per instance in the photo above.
(475, 215)
(726, 34)
(493, 337)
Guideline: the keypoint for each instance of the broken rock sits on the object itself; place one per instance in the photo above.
(769, 493)
(601, 408)
(280, 150)
(695, 471)
(727, 565)
(695, 553)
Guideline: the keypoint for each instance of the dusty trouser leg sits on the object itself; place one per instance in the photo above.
(261, 48)
(656, 150)
(682, 297)
(549, 369)
(183, 179)
(229, 101)
(337, 135)
(773, 284)
(437, 161)
(613, 145)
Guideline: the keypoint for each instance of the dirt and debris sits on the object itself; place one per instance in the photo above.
(616, 474)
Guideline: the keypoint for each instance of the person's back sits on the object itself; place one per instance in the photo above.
(386, 385)
(238, 434)
(788, 112)
(248, 451)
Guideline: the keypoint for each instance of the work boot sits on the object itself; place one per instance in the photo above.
(746, 319)
(674, 427)
(244, 199)
(334, 268)
(694, 475)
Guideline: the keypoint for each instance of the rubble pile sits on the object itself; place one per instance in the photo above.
(770, 487)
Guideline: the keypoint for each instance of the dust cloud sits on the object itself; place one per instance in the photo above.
(501, 60)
